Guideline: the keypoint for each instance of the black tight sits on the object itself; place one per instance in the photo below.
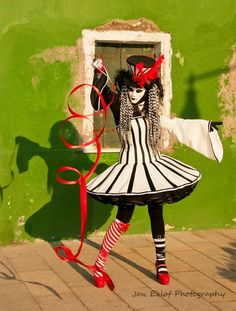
(155, 212)
(157, 221)
(125, 213)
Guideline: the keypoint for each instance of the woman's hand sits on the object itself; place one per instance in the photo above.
(214, 124)
(98, 66)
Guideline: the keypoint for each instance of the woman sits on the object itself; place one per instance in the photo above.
(143, 176)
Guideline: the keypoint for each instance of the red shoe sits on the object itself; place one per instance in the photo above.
(99, 281)
(163, 278)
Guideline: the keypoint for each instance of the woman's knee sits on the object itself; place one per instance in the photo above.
(125, 213)
(155, 209)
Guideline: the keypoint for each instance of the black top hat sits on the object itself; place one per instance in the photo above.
(142, 71)
(134, 60)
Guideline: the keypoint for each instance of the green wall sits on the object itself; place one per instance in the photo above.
(33, 95)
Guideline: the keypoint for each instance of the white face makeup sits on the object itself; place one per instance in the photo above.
(136, 94)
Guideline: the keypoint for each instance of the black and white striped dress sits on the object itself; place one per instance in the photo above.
(139, 177)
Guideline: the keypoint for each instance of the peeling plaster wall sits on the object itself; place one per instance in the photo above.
(41, 59)
(227, 95)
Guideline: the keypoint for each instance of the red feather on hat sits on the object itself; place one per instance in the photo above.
(148, 75)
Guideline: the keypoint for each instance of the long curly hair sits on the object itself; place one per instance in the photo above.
(152, 106)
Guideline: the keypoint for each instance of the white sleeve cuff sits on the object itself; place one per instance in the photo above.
(195, 134)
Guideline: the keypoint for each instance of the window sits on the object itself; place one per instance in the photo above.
(114, 47)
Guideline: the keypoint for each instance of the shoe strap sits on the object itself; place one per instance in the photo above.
(160, 265)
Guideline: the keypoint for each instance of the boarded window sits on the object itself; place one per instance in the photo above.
(114, 56)
(114, 46)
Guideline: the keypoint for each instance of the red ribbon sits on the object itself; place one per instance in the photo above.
(68, 255)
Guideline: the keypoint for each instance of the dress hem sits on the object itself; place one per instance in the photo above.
(165, 197)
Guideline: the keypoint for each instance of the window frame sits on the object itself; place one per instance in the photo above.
(89, 40)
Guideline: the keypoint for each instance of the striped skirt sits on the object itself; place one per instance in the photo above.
(141, 178)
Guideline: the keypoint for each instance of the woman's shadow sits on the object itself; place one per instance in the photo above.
(190, 109)
(60, 217)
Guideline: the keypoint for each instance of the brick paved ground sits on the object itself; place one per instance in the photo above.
(202, 265)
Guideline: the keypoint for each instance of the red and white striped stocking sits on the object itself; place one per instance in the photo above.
(111, 237)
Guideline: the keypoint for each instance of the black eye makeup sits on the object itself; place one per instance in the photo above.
(130, 89)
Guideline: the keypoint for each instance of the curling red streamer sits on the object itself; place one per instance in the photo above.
(68, 255)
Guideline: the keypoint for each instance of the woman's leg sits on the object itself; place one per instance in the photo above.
(119, 225)
(158, 234)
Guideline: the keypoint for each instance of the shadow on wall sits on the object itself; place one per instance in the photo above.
(190, 109)
(60, 218)
(2, 188)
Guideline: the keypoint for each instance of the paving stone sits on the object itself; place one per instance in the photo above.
(16, 297)
(46, 283)
(89, 245)
(174, 264)
(154, 308)
(73, 274)
(204, 264)
(228, 283)
(119, 247)
(89, 252)
(141, 297)
(216, 237)
(181, 296)
(7, 274)
(134, 241)
(7, 278)
(136, 266)
(22, 251)
(186, 236)
(147, 252)
(2, 257)
(46, 251)
(99, 298)
(231, 233)
(29, 264)
(66, 302)
(210, 289)
(226, 306)
(199, 262)
(119, 275)
(174, 244)
(48, 254)
(175, 294)
(147, 236)
(94, 248)
(144, 270)
(220, 254)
